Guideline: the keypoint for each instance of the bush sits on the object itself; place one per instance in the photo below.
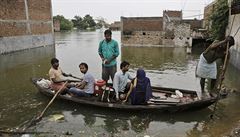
(219, 19)
(65, 24)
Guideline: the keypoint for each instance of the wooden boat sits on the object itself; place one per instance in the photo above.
(170, 103)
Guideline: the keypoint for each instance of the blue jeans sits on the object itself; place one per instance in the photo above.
(78, 92)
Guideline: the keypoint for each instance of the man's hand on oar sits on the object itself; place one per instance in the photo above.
(75, 77)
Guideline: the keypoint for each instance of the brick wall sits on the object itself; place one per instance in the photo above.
(143, 37)
(39, 10)
(142, 23)
(168, 30)
(12, 10)
(12, 29)
(194, 23)
(17, 15)
(25, 20)
(142, 30)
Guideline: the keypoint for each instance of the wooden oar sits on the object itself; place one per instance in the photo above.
(75, 77)
(38, 118)
(70, 80)
(56, 94)
(221, 79)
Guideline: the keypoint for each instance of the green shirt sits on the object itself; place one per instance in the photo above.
(108, 50)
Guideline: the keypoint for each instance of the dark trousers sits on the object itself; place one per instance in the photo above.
(108, 71)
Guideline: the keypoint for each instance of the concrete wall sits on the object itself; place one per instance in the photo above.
(235, 31)
(25, 24)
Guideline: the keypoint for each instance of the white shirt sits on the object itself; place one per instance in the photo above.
(89, 79)
(120, 81)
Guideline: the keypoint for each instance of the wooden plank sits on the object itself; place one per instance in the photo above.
(173, 100)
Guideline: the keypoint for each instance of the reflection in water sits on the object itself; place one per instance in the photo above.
(17, 92)
(168, 67)
(140, 123)
(86, 121)
(156, 58)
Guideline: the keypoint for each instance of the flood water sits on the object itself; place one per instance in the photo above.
(167, 67)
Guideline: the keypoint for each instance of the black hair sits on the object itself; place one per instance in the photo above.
(108, 31)
(54, 60)
(84, 64)
(124, 64)
(231, 40)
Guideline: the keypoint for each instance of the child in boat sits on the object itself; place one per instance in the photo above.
(140, 90)
(86, 87)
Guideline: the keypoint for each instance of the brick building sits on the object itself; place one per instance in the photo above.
(25, 24)
(142, 30)
(169, 30)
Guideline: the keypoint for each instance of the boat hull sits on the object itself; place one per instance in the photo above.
(161, 106)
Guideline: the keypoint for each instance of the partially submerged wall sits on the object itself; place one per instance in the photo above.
(167, 31)
(25, 24)
(141, 30)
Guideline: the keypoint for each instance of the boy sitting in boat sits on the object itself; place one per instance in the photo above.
(121, 81)
(86, 87)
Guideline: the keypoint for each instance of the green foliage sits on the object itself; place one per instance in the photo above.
(219, 19)
(79, 23)
(65, 24)
(87, 22)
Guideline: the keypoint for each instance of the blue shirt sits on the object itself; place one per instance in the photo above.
(108, 50)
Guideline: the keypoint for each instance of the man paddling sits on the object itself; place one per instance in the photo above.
(57, 75)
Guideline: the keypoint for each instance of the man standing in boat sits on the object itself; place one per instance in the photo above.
(86, 87)
(207, 66)
(121, 81)
(57, 75)
(108, 50)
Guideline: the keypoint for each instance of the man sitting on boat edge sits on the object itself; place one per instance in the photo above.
(86, 87)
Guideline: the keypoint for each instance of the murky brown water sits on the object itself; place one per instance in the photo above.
(168, 67)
